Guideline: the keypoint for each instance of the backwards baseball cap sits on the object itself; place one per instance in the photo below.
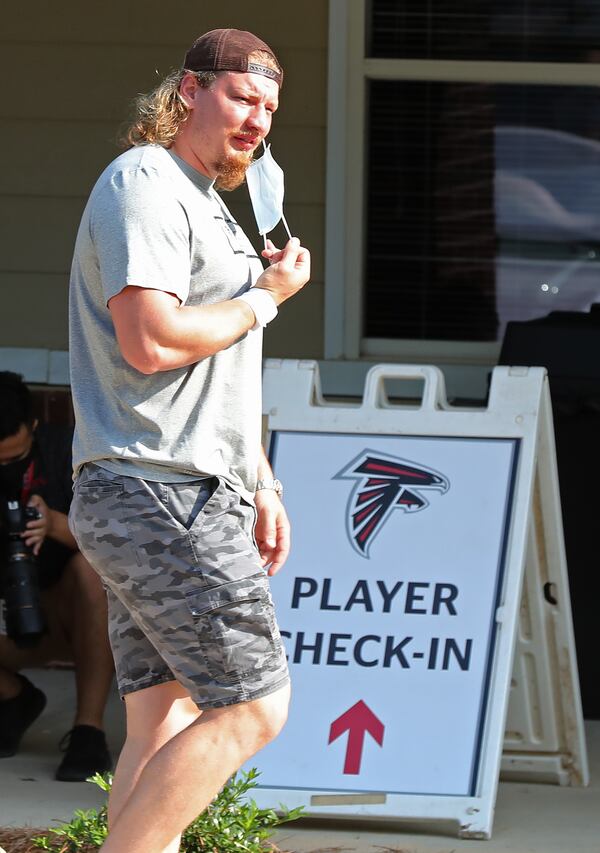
(230, 50)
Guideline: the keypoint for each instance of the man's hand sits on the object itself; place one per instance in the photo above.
(272, 530)
(36, 531)
(288, 272)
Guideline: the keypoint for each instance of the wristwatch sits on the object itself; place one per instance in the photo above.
(271, 484)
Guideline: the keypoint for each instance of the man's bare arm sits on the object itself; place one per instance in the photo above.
(155, 332)
(272, 525)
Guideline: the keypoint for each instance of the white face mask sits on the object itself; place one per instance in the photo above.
(266, 187)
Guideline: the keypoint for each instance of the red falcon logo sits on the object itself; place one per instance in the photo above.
(384, 483)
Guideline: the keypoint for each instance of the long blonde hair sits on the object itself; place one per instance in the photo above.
(158, 115)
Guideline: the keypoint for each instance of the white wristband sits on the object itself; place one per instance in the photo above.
(262, 303)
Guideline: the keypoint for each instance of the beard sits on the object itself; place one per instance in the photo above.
(232, 171)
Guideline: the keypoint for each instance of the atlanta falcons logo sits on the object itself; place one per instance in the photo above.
(384, 483)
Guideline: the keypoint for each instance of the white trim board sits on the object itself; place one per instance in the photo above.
(348, 73)
(37, 366)
(339, 378)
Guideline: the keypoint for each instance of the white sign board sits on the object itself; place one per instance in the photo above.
(399, 603)
(388, 605)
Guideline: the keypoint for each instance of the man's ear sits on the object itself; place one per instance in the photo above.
(34, 424)
(188, 88)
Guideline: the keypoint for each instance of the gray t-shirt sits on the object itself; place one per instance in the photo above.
(153, 221)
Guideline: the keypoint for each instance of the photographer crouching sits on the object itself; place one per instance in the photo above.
(54, 604)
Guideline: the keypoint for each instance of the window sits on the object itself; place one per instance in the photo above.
(468, 193)
(502, 30)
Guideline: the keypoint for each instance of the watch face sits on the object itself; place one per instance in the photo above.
(274, 485)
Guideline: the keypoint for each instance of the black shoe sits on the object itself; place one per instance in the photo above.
(17, 714)
(86, 753)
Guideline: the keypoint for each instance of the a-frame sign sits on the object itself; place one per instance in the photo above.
(403, 601)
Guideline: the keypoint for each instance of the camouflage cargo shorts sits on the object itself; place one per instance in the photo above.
(188, 598)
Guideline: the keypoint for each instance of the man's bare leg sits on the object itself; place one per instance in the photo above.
(188, 771)
(154, 716)
(27, 701)
(79, 633)
(13, 659)
(83, 615)
(10, 685)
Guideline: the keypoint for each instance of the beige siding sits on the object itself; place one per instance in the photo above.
(76, 68)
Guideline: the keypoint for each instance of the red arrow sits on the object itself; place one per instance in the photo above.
(357, 721)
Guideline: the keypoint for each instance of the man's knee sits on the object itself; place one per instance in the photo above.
(268, 715)
(86, 579)
(78, 600)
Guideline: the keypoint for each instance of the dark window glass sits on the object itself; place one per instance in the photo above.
(512, 30)
(483, 207)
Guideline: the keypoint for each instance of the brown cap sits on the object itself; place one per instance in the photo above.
(228, 50)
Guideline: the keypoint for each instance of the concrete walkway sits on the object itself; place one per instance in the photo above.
(529, 818)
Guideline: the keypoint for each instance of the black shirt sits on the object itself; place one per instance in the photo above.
(51, 478)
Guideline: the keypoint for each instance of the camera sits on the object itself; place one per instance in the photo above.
(23, 614)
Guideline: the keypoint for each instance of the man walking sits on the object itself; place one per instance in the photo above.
(173, 493)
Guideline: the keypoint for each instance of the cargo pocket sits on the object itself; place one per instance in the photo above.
(235, 624)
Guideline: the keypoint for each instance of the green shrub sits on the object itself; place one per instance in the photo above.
(233, 823)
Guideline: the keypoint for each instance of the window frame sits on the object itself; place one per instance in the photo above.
(348, 75)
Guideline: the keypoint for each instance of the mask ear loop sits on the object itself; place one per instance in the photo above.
(285, 225)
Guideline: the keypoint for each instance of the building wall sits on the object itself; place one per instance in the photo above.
(73, 70)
